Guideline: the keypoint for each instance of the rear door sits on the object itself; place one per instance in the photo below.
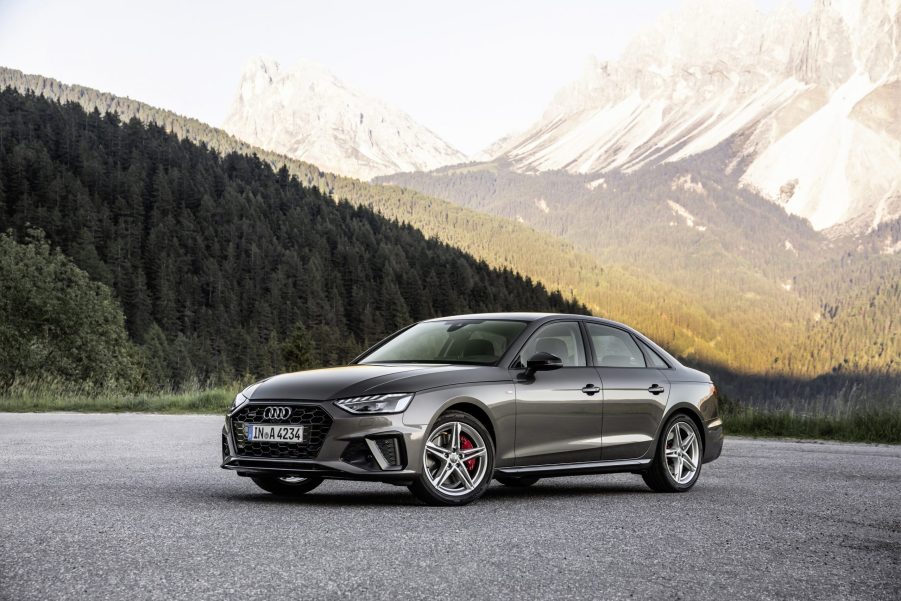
(635, 392)
(558, 412)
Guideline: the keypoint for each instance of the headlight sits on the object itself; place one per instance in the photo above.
(377, 403)
(244, 396)
(240, 399)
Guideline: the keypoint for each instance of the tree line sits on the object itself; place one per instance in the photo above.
(222, 266)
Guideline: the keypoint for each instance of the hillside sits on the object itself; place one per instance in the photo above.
(220, 262)
(733, 335)
(751, 267)
(651, 305)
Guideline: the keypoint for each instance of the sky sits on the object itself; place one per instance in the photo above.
(471, 71)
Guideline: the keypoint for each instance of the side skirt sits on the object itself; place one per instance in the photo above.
(575, 469)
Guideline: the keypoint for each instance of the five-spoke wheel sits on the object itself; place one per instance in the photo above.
(677, 463)
(683, 453)
(457, 461)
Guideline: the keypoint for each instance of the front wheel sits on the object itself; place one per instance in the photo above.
(677, 463)
(286, 486)
(457, 461)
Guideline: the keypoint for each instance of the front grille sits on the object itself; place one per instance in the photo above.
(316, 419)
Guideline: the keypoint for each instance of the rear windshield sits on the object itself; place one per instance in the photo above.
(468, 341)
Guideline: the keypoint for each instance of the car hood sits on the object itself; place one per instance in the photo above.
(355, 380)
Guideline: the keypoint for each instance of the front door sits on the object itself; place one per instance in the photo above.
(558, 412)
(635, 395)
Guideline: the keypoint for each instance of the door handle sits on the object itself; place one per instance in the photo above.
(590, 389)
(655, 389)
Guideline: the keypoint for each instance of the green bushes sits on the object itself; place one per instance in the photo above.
(55, 321)
(868, 425)
(48, 394)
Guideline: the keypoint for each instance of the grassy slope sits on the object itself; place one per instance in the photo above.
(33, 397)
(877, 426)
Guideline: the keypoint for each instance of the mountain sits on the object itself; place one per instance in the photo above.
(752, 308)
(219, 260)
(307, 113)
(686, 328)
(806, 107)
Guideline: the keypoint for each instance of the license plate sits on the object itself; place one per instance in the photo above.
(274, 433)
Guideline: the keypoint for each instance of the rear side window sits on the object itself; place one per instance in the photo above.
(653, 358)
(614, 347)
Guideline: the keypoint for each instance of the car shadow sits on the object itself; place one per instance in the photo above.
(399, 496)
(557, 489)
(389, 497)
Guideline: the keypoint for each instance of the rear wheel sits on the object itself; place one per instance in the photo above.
(677, 463)
(286, 486)
(457, 461)
(517, 482)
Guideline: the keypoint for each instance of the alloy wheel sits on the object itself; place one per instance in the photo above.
(455, 458)
(683, 452)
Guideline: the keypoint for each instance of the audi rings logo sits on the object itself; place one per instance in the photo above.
(277, 412)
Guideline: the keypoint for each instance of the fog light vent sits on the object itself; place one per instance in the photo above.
(382, 453)
(389, 449)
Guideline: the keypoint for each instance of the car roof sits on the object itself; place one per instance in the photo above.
(532, 317)
(526, 316)
(508, 316)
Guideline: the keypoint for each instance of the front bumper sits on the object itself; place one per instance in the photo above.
(353, 447)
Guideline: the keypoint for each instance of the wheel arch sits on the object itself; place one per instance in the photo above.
(475, 411)
(692, 413)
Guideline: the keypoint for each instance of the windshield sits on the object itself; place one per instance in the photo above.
(475, 341)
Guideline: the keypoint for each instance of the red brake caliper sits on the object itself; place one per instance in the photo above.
(465, 444)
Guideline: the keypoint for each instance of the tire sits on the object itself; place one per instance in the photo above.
(454, 438)
(667, 463)
(517, 482)
(286, 486)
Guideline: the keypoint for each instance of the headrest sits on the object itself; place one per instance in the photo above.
(478, 347)
(554, 346)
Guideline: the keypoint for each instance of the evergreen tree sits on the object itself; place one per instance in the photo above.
(299, 350)
(215, 260)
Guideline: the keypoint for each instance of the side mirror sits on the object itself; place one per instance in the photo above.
(542, 362)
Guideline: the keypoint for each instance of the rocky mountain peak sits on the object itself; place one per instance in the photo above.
(307, 113)
(811, 97)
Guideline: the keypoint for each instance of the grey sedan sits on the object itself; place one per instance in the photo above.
(446, 405)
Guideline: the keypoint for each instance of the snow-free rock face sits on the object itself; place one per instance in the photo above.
(305, 112)
(810, 101)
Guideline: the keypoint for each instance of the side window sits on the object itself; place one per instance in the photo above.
(614, 347)
(562, 339)
(655, 359)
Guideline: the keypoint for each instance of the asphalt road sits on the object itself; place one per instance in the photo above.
(136, 507)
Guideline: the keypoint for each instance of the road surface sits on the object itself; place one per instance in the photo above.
(136, 507)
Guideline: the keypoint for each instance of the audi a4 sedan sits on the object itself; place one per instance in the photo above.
(446, 405)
